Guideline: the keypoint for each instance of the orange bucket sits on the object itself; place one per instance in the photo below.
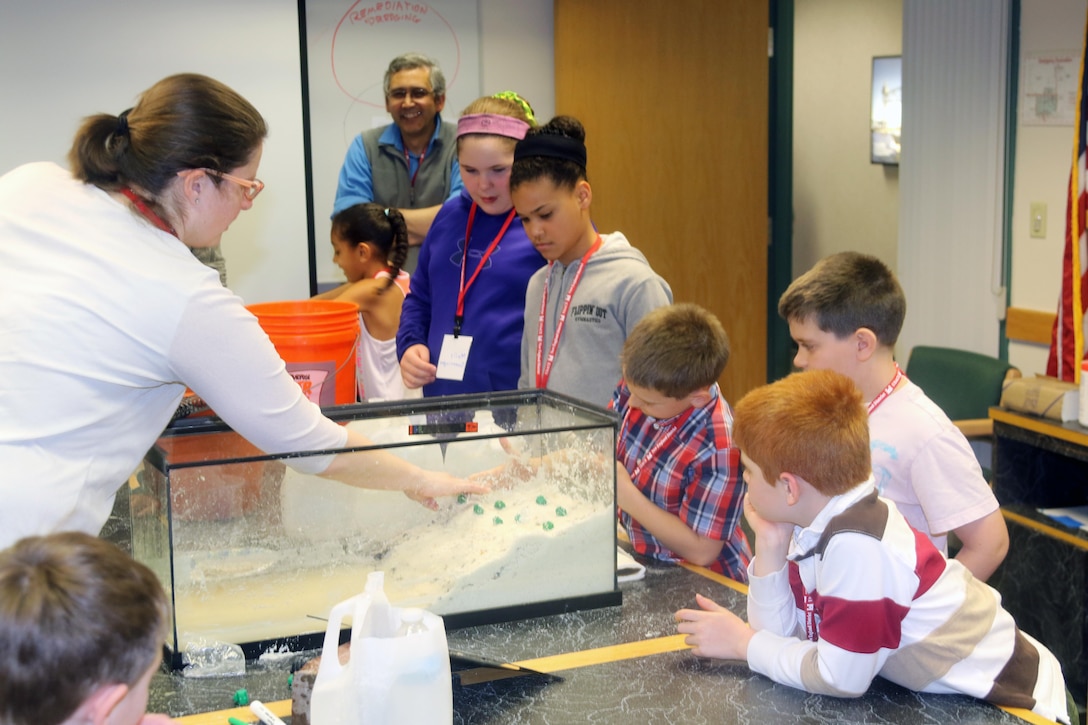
(317, 339)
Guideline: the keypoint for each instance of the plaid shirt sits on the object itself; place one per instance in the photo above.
(694, 475)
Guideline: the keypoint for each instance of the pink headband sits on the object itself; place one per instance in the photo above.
(492, 123)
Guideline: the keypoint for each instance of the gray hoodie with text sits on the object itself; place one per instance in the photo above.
(617, 289)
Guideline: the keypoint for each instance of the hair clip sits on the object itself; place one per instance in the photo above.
(512, 96)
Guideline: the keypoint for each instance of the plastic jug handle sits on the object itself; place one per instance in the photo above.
(330, 666)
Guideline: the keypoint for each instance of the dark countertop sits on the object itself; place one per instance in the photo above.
(669, 687)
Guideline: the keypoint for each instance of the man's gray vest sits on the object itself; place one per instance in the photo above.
(393, 186)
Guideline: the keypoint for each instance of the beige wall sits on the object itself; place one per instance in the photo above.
(516, 60)
(1043, 155)
(840, 200)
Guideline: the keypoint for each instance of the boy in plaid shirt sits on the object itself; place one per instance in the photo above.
(679, 488)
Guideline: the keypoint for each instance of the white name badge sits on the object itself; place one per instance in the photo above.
(454, 357)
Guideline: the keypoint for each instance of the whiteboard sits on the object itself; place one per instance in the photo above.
(66, 59)
(349, 46)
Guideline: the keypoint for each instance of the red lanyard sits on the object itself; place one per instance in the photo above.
(544, 368)
(888, 390)
(660, 441)
(459, 317)
(144, 209)
(412, 178)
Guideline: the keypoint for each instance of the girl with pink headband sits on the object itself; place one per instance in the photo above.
(461, 324)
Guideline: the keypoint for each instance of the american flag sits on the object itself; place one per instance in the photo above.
(1067, 339)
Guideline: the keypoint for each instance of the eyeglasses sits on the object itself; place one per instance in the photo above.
(417, 94)
(251, 187)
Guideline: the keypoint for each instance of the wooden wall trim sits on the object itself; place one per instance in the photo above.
(1025, 325)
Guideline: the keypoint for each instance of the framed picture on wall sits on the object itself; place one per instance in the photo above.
(886, 112)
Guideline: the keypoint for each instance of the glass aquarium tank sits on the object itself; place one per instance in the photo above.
(252, 552)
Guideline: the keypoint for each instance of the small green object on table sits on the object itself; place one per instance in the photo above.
(241, 698)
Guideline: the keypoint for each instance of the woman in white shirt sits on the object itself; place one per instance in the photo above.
(106, 316)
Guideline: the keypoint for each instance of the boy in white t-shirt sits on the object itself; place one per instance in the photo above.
(845, 315)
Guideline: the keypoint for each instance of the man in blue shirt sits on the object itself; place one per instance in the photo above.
(411, 164)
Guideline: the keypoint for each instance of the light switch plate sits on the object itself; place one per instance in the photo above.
(1037, 220)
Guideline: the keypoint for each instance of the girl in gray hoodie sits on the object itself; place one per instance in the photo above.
(595, 287)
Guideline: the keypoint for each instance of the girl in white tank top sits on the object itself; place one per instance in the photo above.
(370, 244)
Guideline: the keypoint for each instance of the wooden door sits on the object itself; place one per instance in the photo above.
(674, 97)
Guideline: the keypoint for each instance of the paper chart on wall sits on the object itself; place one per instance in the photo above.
(349, 46)
(1048, 88)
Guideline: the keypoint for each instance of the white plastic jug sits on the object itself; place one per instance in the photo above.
(389, 679)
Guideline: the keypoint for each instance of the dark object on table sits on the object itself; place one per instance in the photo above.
(468, 670)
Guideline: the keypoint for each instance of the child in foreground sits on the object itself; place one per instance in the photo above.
(595, 288)
(845, 315)
(81, 632)
(370, 244)
(678, 486)
(841, 588)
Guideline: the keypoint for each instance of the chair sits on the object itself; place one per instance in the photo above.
(963, 384)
